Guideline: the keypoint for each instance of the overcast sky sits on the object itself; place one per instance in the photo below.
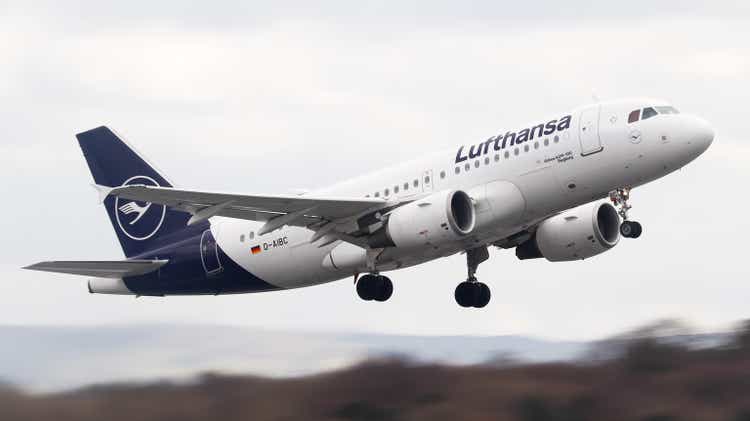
(253, 98)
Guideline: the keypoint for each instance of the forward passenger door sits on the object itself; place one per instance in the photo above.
(588, 130)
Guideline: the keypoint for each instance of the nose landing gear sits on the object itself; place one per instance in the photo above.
(619, 198)
(472, 293)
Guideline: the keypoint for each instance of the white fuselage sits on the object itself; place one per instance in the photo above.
(513, 188)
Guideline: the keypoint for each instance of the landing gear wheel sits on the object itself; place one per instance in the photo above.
(366, 287)
(638, 229)
(631, 229)
(464, 294)
(472, 294)
(383, 288)
(374, 287)
(483, 295)
(626, 229)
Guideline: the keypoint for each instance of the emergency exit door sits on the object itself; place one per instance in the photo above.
(588, 131)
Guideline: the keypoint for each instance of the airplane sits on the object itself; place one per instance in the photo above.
(540, 189)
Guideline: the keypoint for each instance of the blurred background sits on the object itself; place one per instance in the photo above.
(259, 97)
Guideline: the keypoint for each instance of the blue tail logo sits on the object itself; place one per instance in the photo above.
(141, 227)
(139, 220)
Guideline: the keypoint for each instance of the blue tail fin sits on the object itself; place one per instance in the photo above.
(140, 226)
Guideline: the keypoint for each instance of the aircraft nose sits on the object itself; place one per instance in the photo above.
(702, 134)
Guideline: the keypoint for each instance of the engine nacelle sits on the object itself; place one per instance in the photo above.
(438, 218)
(576, 234)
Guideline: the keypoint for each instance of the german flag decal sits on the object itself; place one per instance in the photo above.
(255, 250)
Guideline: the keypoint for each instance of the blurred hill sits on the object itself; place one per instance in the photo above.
(649, 378)
(56, 358)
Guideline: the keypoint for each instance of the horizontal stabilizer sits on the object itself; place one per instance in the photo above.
(100, 268)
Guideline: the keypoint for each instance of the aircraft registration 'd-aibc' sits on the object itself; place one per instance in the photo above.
(537, 189)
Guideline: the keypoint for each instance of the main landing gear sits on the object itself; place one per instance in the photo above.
(472, 293)
(619, 198)
(374, 287)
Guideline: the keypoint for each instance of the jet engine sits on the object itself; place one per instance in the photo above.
(441, 217)
(576, 234)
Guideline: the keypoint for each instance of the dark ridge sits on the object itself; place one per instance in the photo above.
(649, 378)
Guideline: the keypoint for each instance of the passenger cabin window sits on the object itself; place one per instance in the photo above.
(634, 116)
(648, 113)
(406, 186)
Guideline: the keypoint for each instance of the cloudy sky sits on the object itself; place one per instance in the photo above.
(247, 97)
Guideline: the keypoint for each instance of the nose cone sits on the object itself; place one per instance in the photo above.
(702, 135)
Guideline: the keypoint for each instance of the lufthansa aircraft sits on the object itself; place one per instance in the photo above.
(535, 188)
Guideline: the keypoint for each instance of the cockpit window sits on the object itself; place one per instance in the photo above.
(634, 116)
(648, 113)
(667, 110)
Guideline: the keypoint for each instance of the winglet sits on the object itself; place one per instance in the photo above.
(103, 191)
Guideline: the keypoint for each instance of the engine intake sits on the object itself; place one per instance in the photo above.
(438, 218)
(576, 234)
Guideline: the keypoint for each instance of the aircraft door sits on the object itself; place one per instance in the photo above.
(588, 131)
(210, 253)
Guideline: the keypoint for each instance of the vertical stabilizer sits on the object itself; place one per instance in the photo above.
(140, 226)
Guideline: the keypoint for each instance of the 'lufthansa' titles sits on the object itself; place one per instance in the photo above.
(500, 142)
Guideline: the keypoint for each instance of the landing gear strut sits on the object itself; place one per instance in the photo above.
(619, 198)
(374, 287)
(472, 293)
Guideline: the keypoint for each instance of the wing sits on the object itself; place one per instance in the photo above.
(276, 210)
(101, 269)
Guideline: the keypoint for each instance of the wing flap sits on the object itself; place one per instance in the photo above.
(100, 268)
